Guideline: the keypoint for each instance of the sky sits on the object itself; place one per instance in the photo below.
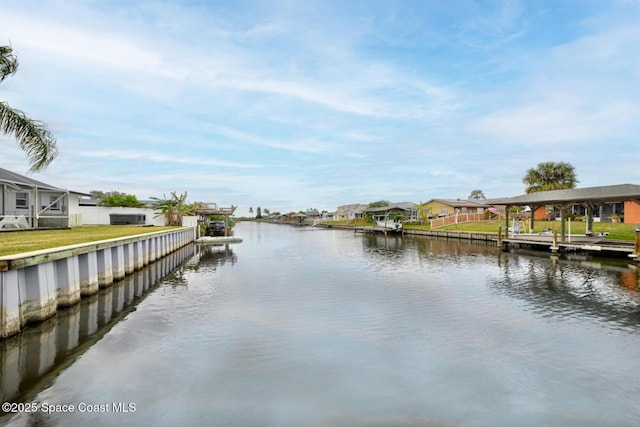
(289, 105)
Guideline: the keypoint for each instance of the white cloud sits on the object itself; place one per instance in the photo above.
(548, 124)
(155, 157)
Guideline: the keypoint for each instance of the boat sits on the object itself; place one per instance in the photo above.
(387, 222)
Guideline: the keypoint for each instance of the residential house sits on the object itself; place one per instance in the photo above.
(628, 210)
(407, 210)
(602, 203)
(28, 203)
(328, 216)
(313, 214)
(350, 212)
(435, 208)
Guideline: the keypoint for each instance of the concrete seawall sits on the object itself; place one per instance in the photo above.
(34, 285)
(29, 360)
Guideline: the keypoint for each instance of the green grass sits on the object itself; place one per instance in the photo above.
(16, 242)
(617, 231)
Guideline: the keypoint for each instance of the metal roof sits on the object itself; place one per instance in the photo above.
(607, 193)
(16, 178)
(405, 206)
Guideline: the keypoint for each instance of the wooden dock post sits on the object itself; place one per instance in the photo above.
(554, 244)
(636, 247)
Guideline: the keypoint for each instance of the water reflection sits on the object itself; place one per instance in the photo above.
(571, 286)
(550, 286)
(30, 360)
(210, 257)
(389, 248)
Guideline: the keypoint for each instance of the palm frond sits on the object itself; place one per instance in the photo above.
(33, 137)
(8, 62)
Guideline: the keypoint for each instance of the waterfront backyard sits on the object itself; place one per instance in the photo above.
(616, 231)
(15, 242)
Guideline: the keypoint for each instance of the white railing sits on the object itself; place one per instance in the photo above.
(462, 217)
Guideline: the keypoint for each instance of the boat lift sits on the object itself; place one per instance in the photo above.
(204, 212)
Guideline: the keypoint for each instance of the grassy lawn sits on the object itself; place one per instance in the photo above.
(616, 231)
(15, 242)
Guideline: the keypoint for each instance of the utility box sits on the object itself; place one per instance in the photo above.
(127, 219)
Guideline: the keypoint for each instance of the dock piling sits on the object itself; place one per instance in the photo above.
(636, 246)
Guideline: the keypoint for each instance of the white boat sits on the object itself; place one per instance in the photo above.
(389, 223)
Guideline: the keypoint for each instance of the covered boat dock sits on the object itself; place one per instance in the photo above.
(590, 198)
(204, 212)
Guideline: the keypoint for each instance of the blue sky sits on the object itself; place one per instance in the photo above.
(290, 105)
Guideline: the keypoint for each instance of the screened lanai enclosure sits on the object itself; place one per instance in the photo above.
(26, 203)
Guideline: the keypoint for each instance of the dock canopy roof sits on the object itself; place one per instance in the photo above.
(603, 194)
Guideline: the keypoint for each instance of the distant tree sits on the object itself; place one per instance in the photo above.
(379, 204)
(115, 199)
(258, 213)
(33, 136)
(250, 211)
(550, 176)
(477, 194)
(97, 194)
(266, 211)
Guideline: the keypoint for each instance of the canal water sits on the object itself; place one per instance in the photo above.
(315, 327)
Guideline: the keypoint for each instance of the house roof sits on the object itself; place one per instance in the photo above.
(21, 180)
(405, 206)
(355, 207)
(462, 203)
(602, 194)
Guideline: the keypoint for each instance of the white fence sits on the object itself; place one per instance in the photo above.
(462, 217)
(100, 215)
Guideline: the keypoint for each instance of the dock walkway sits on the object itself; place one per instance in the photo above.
(611, 248)
(615, 248)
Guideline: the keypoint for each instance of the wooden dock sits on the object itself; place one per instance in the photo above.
(612, 248)
(606, 248)
(377, 230)
(218, 240)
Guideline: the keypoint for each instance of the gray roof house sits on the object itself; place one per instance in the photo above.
(407, 209)
(357, 210)
(29, 203)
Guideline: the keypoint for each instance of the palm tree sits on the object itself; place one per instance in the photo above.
(173, 209)
(550, 176)
(33, 136)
